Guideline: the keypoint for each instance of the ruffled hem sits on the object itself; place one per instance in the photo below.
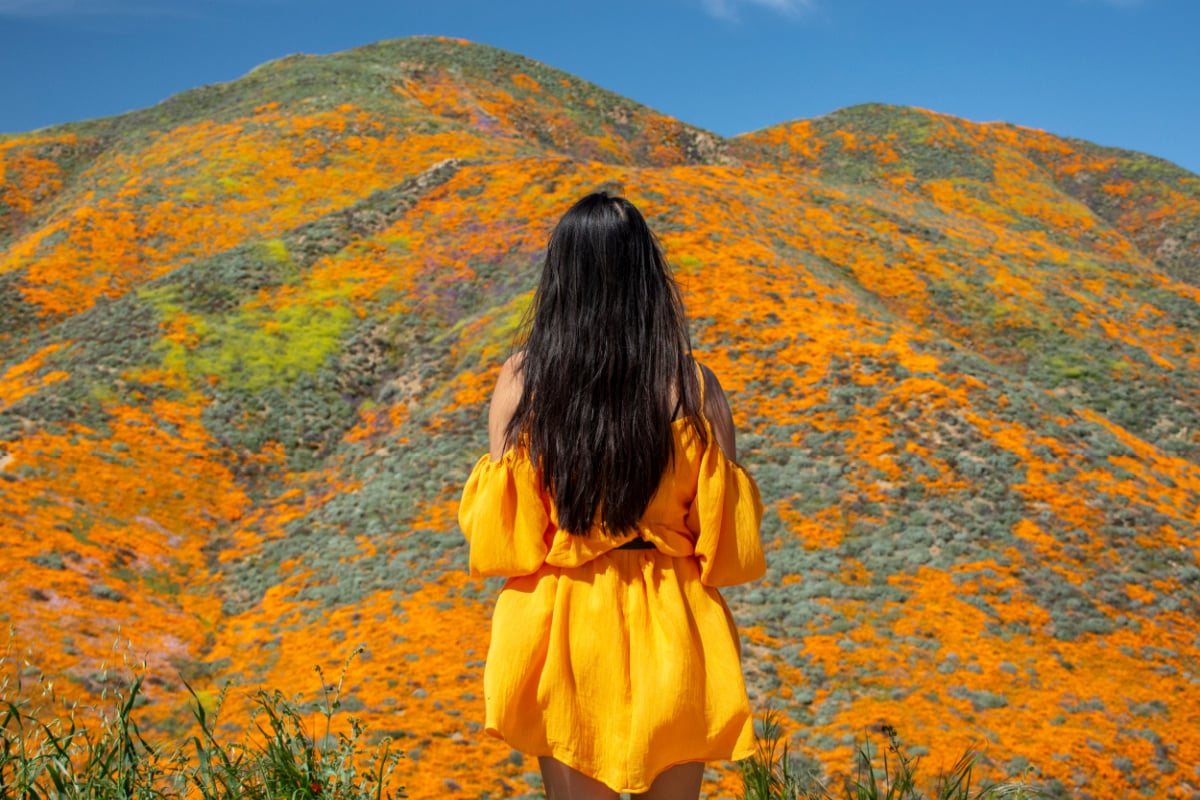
(619, 668)
(505, 516)
(566, 756)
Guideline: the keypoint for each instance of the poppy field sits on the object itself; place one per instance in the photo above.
(248, 338)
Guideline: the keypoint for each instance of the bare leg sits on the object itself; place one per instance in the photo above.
(680, 782)
(564, 783)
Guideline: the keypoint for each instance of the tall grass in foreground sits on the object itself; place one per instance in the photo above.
(278, 757)
(773, 774)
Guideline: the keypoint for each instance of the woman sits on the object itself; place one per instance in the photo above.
(612, 501)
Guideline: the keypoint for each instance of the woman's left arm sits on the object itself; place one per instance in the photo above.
(505, 398)
(503, 511)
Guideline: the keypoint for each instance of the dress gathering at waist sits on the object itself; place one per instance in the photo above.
(706, 506)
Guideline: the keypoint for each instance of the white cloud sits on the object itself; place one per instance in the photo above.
(728, 9)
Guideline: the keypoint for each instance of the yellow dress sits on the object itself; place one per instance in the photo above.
(618, 663)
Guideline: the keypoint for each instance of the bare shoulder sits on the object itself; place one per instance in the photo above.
(505, 398)
(510, 372)
(716, 410)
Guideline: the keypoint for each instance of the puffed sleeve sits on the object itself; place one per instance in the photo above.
(725, 516)
(504, 516)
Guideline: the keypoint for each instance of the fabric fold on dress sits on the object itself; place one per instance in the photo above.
(511, 524)
(725, 517)
(618, 663)
(505, 516)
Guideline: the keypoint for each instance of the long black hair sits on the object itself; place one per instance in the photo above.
(607, 368)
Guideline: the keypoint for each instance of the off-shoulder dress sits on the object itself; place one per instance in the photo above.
(619, 663)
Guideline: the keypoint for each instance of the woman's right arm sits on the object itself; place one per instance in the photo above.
(716, 411)
(727, 512)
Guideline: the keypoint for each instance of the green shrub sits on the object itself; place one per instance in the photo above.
(774, 773)
(279, 756)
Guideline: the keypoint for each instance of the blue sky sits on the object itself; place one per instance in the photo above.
(1117, 72)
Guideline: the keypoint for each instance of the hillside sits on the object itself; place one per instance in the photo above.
(249, 336)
